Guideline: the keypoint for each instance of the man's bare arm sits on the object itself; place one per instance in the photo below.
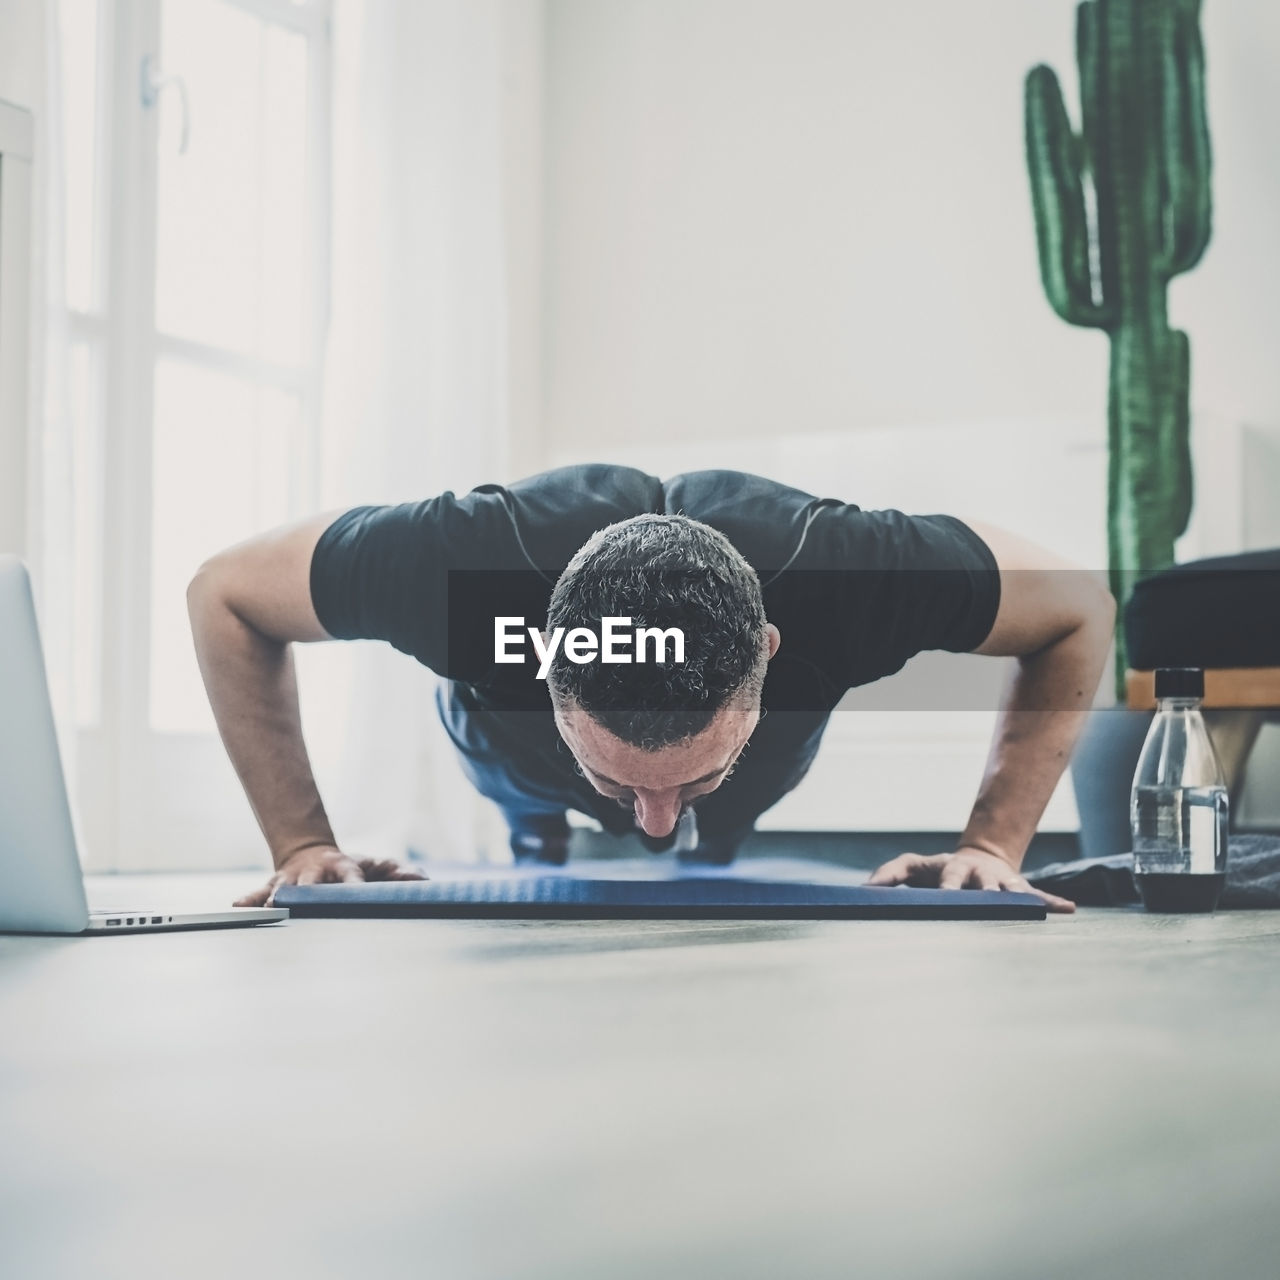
(248, 605)
(1057, 620)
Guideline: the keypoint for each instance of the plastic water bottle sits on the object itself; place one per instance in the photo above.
(1178, 809)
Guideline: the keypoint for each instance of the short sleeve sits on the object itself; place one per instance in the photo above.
(957, 607)
(874, 588)
(377, 574)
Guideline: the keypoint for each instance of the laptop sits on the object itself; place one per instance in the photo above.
(41, 886)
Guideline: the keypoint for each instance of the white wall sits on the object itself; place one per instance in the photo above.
(22, 51)
(775, 215)
(769, 218)
(523, 24)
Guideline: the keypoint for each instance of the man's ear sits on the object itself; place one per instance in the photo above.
(773, 638)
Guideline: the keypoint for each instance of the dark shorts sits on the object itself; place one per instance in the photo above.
(518, 760)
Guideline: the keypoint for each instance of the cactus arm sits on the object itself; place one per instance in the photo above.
(1057, 196)
(1096, 153)
(1180, 499)
(1185, 153)
(1088, 64)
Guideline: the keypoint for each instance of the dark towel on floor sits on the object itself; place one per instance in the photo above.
(1253, 877)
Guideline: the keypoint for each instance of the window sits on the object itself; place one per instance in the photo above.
(196, 143)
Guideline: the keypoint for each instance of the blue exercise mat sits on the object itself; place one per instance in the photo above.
(658, 889)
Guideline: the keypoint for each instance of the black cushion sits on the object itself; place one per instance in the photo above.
(1223, 612)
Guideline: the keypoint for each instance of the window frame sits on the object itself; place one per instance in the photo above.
(147, 799)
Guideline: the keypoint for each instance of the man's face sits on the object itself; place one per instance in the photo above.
(658, 785)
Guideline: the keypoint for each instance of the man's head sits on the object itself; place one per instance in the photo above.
(656, 736)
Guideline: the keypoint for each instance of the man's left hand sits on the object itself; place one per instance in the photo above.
(967, 868)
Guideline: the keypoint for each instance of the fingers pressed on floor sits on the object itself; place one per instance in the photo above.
(1055, 903)
(896, 870)
(886, 876)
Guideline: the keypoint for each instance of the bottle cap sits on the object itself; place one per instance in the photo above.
(1179, 682)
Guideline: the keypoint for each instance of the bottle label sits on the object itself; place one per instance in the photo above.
(1202, 838)
(1179, 830)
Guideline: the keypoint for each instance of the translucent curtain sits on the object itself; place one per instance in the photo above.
(55, 497)
(416, 376)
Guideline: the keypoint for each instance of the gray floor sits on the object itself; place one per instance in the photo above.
(1092, 1096)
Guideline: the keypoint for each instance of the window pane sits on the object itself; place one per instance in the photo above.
(232, 231)
(78, 28)
(228, 460)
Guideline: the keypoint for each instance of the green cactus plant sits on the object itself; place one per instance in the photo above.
(1121, 207)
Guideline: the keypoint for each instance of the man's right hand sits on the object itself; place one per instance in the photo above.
(323, 864)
